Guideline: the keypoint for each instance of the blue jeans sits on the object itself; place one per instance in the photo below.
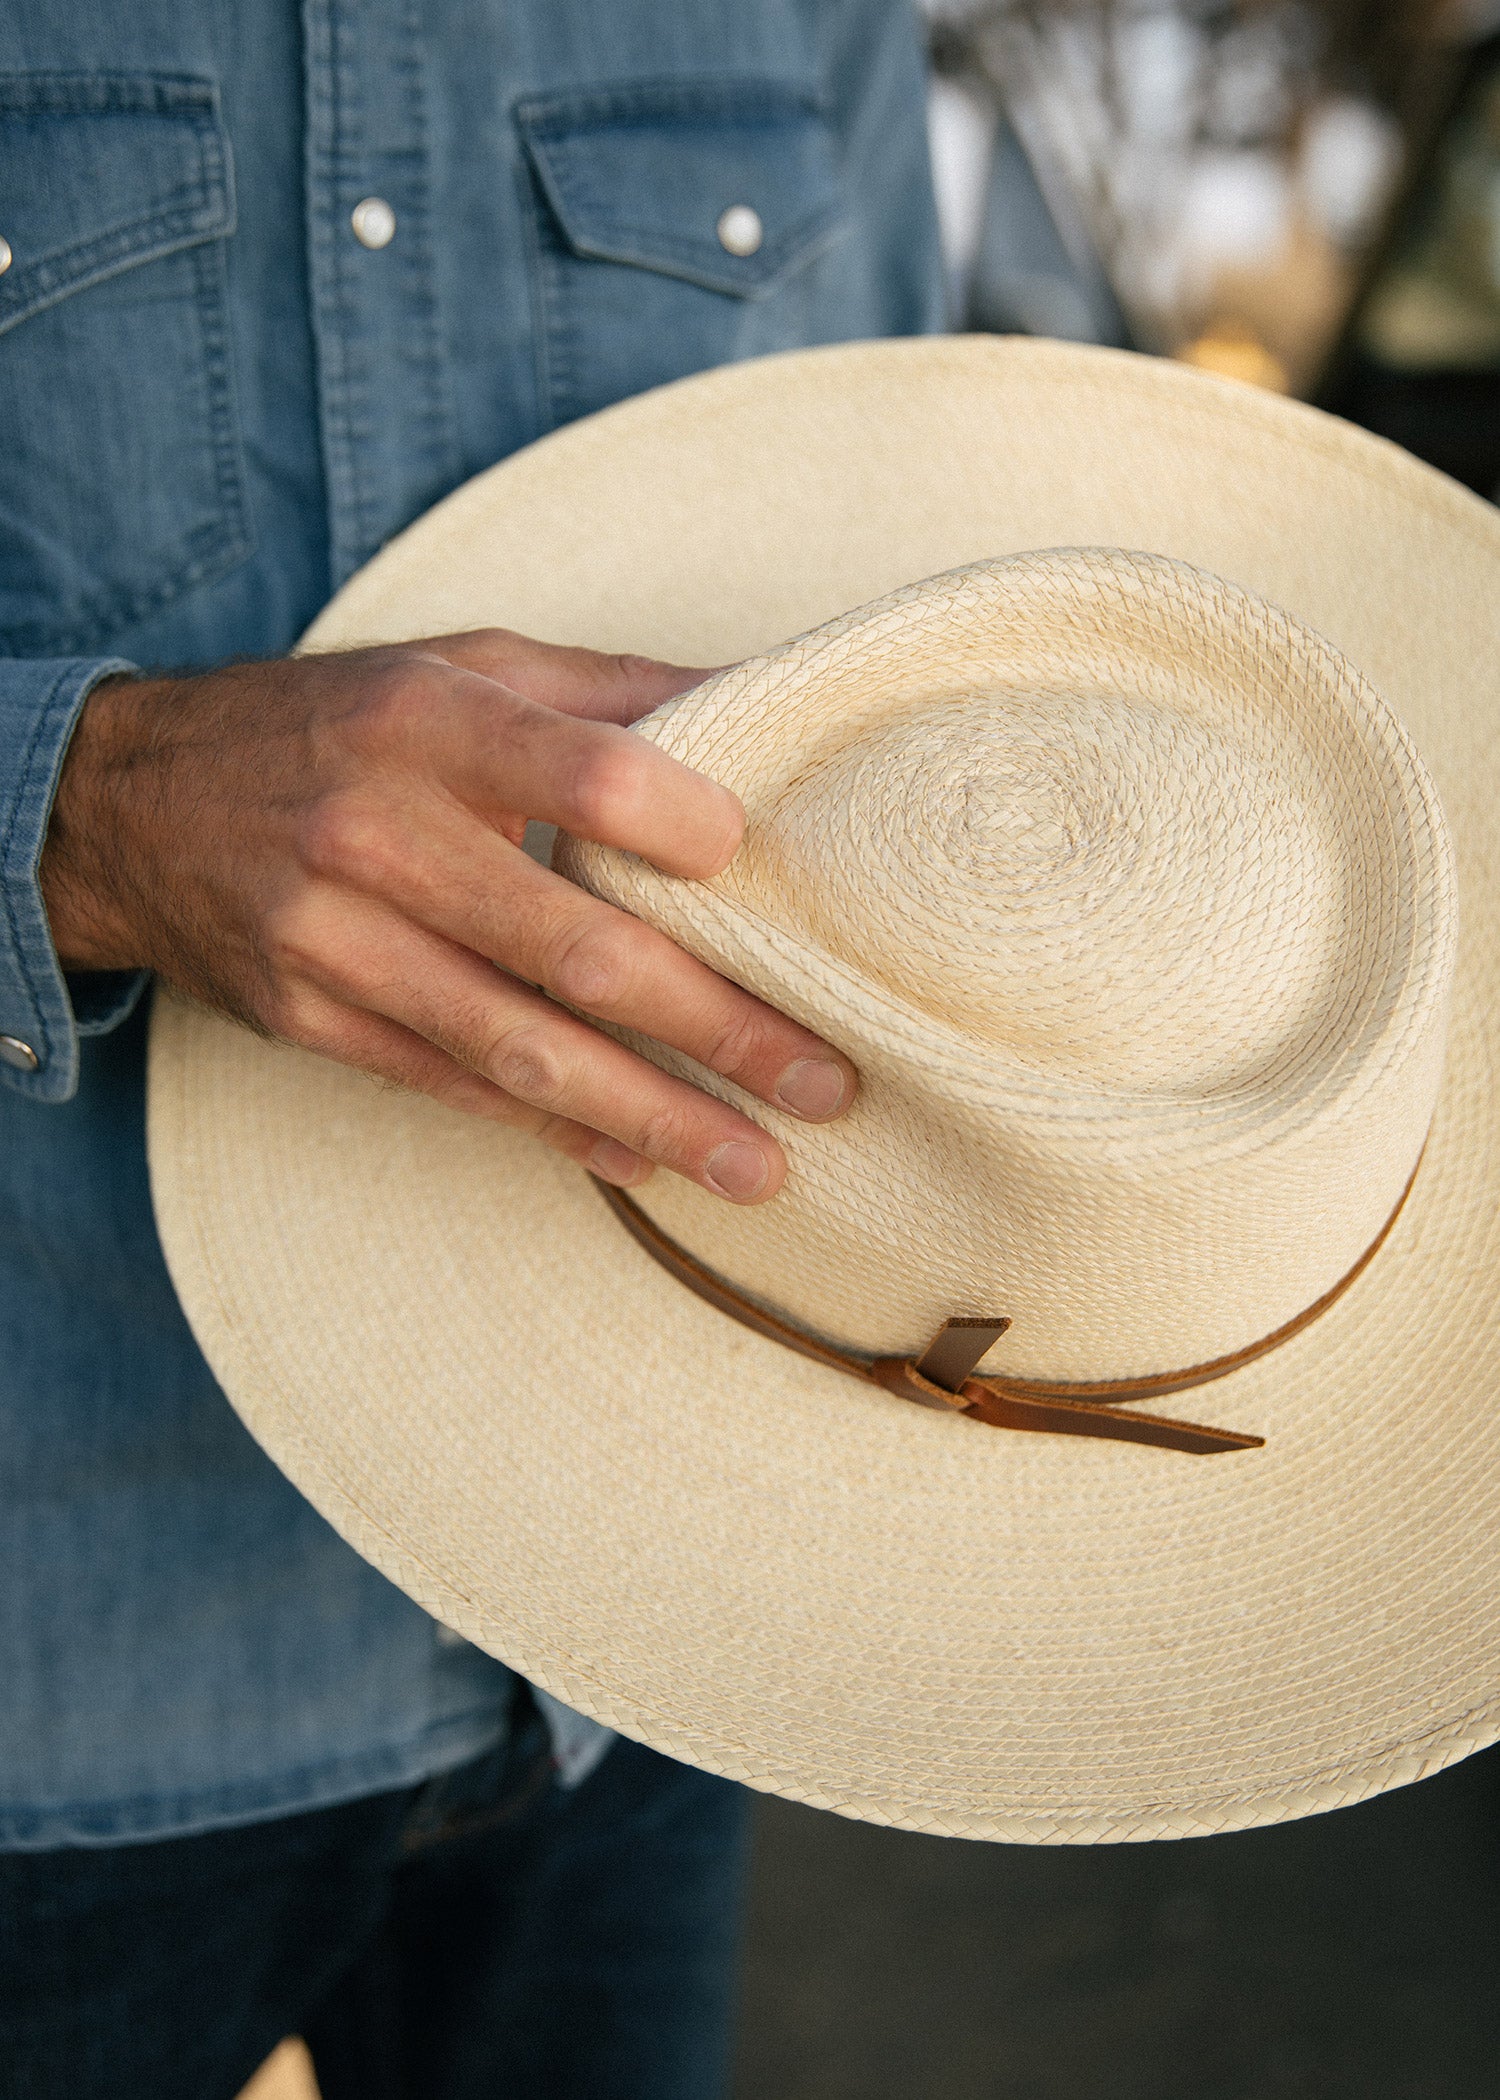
(485, 1934)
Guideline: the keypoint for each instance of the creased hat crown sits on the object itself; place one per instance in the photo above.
(1134, 906)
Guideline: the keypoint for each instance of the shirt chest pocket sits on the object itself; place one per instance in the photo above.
(121, 484)
(678, 224)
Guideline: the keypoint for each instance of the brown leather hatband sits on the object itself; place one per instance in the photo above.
(941, 1376)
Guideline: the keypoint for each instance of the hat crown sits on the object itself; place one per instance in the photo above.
(1134, 906)
(1100, 886)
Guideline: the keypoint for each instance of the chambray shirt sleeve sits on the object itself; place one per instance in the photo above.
(40, 702)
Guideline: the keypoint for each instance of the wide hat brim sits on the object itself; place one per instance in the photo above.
(450, 1345)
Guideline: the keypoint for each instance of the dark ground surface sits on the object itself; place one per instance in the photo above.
(1352, 1956)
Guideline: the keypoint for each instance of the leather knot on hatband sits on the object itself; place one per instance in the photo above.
(943, 1375)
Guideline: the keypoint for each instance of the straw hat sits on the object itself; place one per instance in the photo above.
(1128, 880)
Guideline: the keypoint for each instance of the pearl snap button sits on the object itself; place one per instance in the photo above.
(374, 222)
(6, 257)
(18, 1055)
(740, 230)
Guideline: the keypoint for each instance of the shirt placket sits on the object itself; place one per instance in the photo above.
(386, 418)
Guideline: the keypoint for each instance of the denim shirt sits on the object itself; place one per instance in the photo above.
(215, 403)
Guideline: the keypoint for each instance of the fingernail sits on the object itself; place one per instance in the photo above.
(737, 1170)
(812, 1087)
(617, 1163)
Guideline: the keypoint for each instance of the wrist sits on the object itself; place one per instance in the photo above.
(84, 872)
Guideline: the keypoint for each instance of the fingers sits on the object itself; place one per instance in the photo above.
(435, 954)
(482, 895)
(391, 1053)
(581, 682)
(544, 1059)
(501, 753)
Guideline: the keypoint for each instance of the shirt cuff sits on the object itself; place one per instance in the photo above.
(40, 703)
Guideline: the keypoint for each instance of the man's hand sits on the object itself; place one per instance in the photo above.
(329, 848)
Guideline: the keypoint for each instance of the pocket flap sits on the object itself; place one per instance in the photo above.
(102, 171)
(644, 173)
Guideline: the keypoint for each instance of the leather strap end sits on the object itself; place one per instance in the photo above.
(899, 1375)
(955, 1350)
(985, 1400)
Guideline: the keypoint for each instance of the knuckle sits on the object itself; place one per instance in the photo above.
(665, 1134)
(737, 1046)
(312, 956)
(524, 1063)
(606, 785)
(592, 967)
(345, 838)
(296, 1014)
(399, 696)
(643, 674)
(494, 641)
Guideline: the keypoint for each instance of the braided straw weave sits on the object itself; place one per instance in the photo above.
(1133, 906)
(1126, 891)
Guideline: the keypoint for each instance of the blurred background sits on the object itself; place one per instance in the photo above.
(1305, 196)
